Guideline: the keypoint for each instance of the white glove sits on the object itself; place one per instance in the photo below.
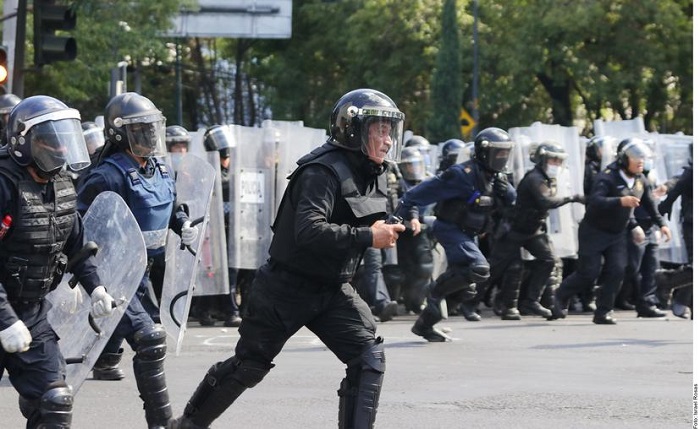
(638, 235)
(16, 338)
(188, 233)
(74, 300)
(102, 302)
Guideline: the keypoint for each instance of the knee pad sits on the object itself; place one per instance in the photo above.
(246, 372)
(479, 273)
(372, 358)
(151, 343)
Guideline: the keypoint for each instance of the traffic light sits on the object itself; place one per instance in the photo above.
(4, 69)
(49, 18)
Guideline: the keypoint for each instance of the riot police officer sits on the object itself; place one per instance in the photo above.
(332, 210)
(41, 226)
(466, 195)
(135, 133)
(177, 142)
(423, 145)
(414, 247)
(450, 150)
(536, 196)
(619, 189)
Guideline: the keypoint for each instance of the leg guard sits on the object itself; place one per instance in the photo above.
(107, 367)
(149, 371)
(359, 390)
(223, 384)
(54, 410)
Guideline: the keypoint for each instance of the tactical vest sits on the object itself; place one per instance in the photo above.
(356, 209)
(472, 214)
(150, 199)
(31, 252)
(524, 217)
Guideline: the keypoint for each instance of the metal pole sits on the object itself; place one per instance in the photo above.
(178, 81)
(475, 73)
(17, 87)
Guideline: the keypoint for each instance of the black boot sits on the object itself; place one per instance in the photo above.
(531, 307)
(510, 313)
(425, 324)
(107, 367)
(469, 310)
(649, 310)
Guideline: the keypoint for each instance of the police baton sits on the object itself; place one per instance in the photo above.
(192, 223)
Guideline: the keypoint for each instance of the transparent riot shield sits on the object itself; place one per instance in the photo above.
(194, 185)
(212, 272)
(672, 153)
(252, 192)
(292, 141)
(121, 263)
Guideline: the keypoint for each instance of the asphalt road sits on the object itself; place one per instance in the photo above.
(495, 374)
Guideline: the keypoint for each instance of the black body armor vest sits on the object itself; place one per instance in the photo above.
(471, 214)
(356, 207)
(31, 258)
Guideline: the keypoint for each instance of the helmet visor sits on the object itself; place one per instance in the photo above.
(58, 143)
(499, 153)
(94, 139)
(413, 168)
(146, 135)
(220, 138)
(382, 133)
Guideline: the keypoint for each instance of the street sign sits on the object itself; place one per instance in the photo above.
(467, 123)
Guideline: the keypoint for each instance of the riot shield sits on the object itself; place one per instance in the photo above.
(212, 272)
(121, 263)
(251, 197)
(194, 186)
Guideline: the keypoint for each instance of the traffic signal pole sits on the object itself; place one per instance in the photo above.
(17, 82)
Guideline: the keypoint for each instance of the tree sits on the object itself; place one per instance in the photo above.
(446, 93)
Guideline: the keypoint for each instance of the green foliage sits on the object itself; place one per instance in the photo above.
(446, 96)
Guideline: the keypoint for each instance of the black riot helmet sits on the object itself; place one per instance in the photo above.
(451, 148)
(545, 151)
(412, 164)
(492, 148)
(365, 116)
(176, 134)
(133, 121)
(45, 133)
(219, 137)
(631, 150)
(94, 136)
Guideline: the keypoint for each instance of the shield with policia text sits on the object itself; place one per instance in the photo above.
(194, 186)
(114, 236)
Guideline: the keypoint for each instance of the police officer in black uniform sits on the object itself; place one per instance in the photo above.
(466, 196)
(528, 229)
(602, 233)
(129, 165)
(41, 229)
(331, 212)
(450, 151)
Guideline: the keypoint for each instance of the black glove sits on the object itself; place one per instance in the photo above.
(665, 208)
(500, 186)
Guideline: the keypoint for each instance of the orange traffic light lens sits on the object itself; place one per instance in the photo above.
(3, 74)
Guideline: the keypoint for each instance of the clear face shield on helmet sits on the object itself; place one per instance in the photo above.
(412, 168)
(382, 133)
(146, 134)
(94, 139)
(498, 155)
(56, 140)
(637, 153)
(220, 138)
